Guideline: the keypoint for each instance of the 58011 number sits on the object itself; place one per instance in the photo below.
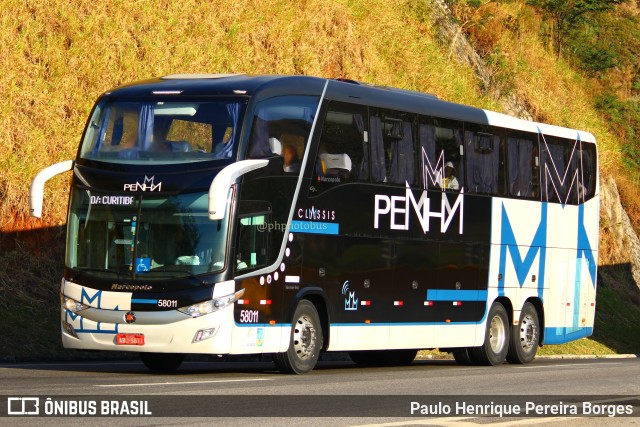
(248, 316)
(168, 303)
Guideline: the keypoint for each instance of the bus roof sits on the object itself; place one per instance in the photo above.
(265, 86)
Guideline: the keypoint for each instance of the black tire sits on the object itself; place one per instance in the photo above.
(463, 356)
(383, 357)
(305, 343)
(496, 338)
(525, 336)
(365, 358)
(162, 362)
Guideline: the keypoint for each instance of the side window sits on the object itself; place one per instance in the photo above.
(252, 246)
(441, 153)
(559, 162)
(482, 150)
(281, 128)
(588, 169)
(392, 148)
(343, 154)
(522, 165)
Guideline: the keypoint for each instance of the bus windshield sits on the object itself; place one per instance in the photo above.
(163, 132)
(148, 237)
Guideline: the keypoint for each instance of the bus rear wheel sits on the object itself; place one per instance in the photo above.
(383, 357)
(525, 336)
(496, 338)
(305, 343)
(162, 362)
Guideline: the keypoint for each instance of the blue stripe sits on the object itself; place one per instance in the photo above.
(456, 295)
(312, 227)
(144, 301)
(397, 324)
(565, 334)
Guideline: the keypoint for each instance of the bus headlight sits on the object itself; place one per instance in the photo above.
(209, 306)
(71, 304)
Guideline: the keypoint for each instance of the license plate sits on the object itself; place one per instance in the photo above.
(129, 339)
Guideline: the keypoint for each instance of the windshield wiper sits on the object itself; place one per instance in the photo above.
(177, 270)
(81, 270)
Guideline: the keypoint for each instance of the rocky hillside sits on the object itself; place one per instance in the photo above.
(620, 241)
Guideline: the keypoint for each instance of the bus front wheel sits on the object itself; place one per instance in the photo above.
(305, 342)
(525, 336)
(496, 338)
(162, 362)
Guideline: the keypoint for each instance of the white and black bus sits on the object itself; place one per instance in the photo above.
(235, 214)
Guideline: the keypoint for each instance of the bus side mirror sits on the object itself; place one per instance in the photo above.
(36, 192)
(219, 189)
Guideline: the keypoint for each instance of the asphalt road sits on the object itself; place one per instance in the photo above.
(334, 394)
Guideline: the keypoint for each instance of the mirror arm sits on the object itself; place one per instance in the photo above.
(36, 192)
(219, 189)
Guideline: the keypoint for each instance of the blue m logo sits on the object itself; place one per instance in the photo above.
(523, 266)
(86, 299)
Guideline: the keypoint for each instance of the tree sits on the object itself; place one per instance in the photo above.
(567, 14)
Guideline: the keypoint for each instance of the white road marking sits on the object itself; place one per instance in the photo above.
(185, 382)
(467, 422)
(26, 365)
(563, 365)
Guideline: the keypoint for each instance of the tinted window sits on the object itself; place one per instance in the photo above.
(343, 154)
(254, 237)
(588, 170)
(482, 150)
(440, 145)
(559, 174)
(522, 152)
(281, 128)
(392, 150)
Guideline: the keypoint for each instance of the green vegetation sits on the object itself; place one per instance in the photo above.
(567, 15)
(59, 56)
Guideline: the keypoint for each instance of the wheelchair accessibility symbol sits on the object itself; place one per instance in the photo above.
(143, 265)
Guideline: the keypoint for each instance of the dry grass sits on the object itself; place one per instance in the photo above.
(59, 56)
(581, 346)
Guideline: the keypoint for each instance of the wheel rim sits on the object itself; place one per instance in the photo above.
(528, 333)
(304, 338)
(497, 334)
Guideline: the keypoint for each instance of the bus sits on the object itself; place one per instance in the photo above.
(293, 215)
